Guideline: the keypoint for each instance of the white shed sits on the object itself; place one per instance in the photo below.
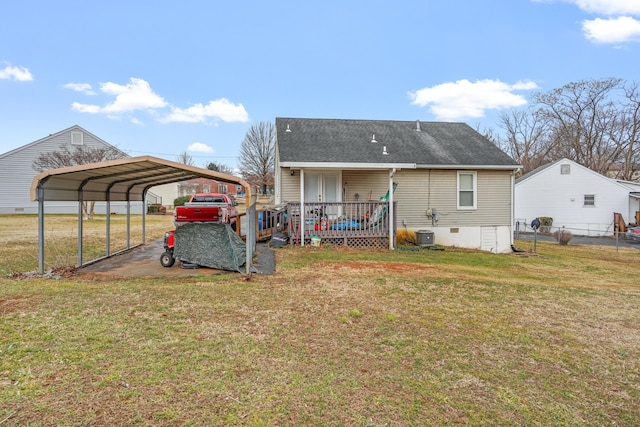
(577, 198)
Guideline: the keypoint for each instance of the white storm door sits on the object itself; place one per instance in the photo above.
(312, 187)
(331, 193)
(321, 187)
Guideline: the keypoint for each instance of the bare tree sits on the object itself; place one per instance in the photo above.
(526, 138)
(81, 155)
(626, 133)
(185, 158)
(219, 167)
(581, 116)
(257, 155)
(595, 123)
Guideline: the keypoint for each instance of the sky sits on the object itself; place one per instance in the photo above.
(164, 77)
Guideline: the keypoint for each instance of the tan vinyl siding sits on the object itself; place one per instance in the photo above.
(419, 190)
(369, 185)
(494, 197)
(290, 186)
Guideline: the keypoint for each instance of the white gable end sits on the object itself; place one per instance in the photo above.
(17, 173)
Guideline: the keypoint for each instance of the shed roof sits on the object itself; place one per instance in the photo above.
(422, 144)
(118, 180)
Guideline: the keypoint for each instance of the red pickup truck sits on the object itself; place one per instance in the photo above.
(209, 207)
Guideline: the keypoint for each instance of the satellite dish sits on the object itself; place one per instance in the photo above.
(535, 224)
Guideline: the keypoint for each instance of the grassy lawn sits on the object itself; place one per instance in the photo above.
(336, 337)
(19, 253)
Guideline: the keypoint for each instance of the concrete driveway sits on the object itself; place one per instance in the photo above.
(144, 261)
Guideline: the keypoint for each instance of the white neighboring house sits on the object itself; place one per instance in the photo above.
(165, 194)
(17, 173)
(577, 198)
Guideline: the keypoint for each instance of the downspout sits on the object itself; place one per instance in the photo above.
(513, 205)
(391, 219)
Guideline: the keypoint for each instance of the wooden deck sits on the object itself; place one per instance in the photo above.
(359, 224)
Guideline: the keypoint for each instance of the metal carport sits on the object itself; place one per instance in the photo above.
(122, 180)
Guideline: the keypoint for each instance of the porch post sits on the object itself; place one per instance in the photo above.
(391, 219)
(303, 219)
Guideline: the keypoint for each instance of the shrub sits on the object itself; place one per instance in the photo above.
(180, 201)
(563, 236)
(545, 224)
(404, 236)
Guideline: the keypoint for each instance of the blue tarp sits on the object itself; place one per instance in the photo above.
(346, 225)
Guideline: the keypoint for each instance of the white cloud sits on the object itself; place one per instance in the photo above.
(221, 109)
(619, 30)
(137, 95)
(200, 147)
(134, 96)
(464, 99)
(80, 87)
(20, 74)
(609, 7)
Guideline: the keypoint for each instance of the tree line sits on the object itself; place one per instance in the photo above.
(595, 123)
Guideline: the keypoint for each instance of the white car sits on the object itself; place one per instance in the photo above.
(633, 233)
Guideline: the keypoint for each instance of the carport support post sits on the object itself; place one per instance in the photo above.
(80, 200)
(144, 217)
(40, 230)
(128, 223)
(250, 235)
(108, 222)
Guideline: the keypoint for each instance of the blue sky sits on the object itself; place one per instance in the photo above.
(162, 77)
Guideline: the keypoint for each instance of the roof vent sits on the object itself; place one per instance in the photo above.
(384, 151)
(288, 130)
(418, 125)
(373, 139)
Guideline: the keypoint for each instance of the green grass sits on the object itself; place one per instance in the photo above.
(20, 232)
(336, 337)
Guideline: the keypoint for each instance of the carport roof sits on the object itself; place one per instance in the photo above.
(125, 179)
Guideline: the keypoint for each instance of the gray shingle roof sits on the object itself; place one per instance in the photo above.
(349, 141)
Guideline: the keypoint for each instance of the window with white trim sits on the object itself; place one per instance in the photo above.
(589, 200)
(467, 190)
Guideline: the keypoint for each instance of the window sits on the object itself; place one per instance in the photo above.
(77, 138)
(565, 169)
(589, 200)
(467, 190)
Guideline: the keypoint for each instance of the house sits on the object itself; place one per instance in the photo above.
(577, 198)
(205, 185)
(17, 172)
(441, 178)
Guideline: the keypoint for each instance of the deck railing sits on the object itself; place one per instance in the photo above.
(338, 220)
(268, 221)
